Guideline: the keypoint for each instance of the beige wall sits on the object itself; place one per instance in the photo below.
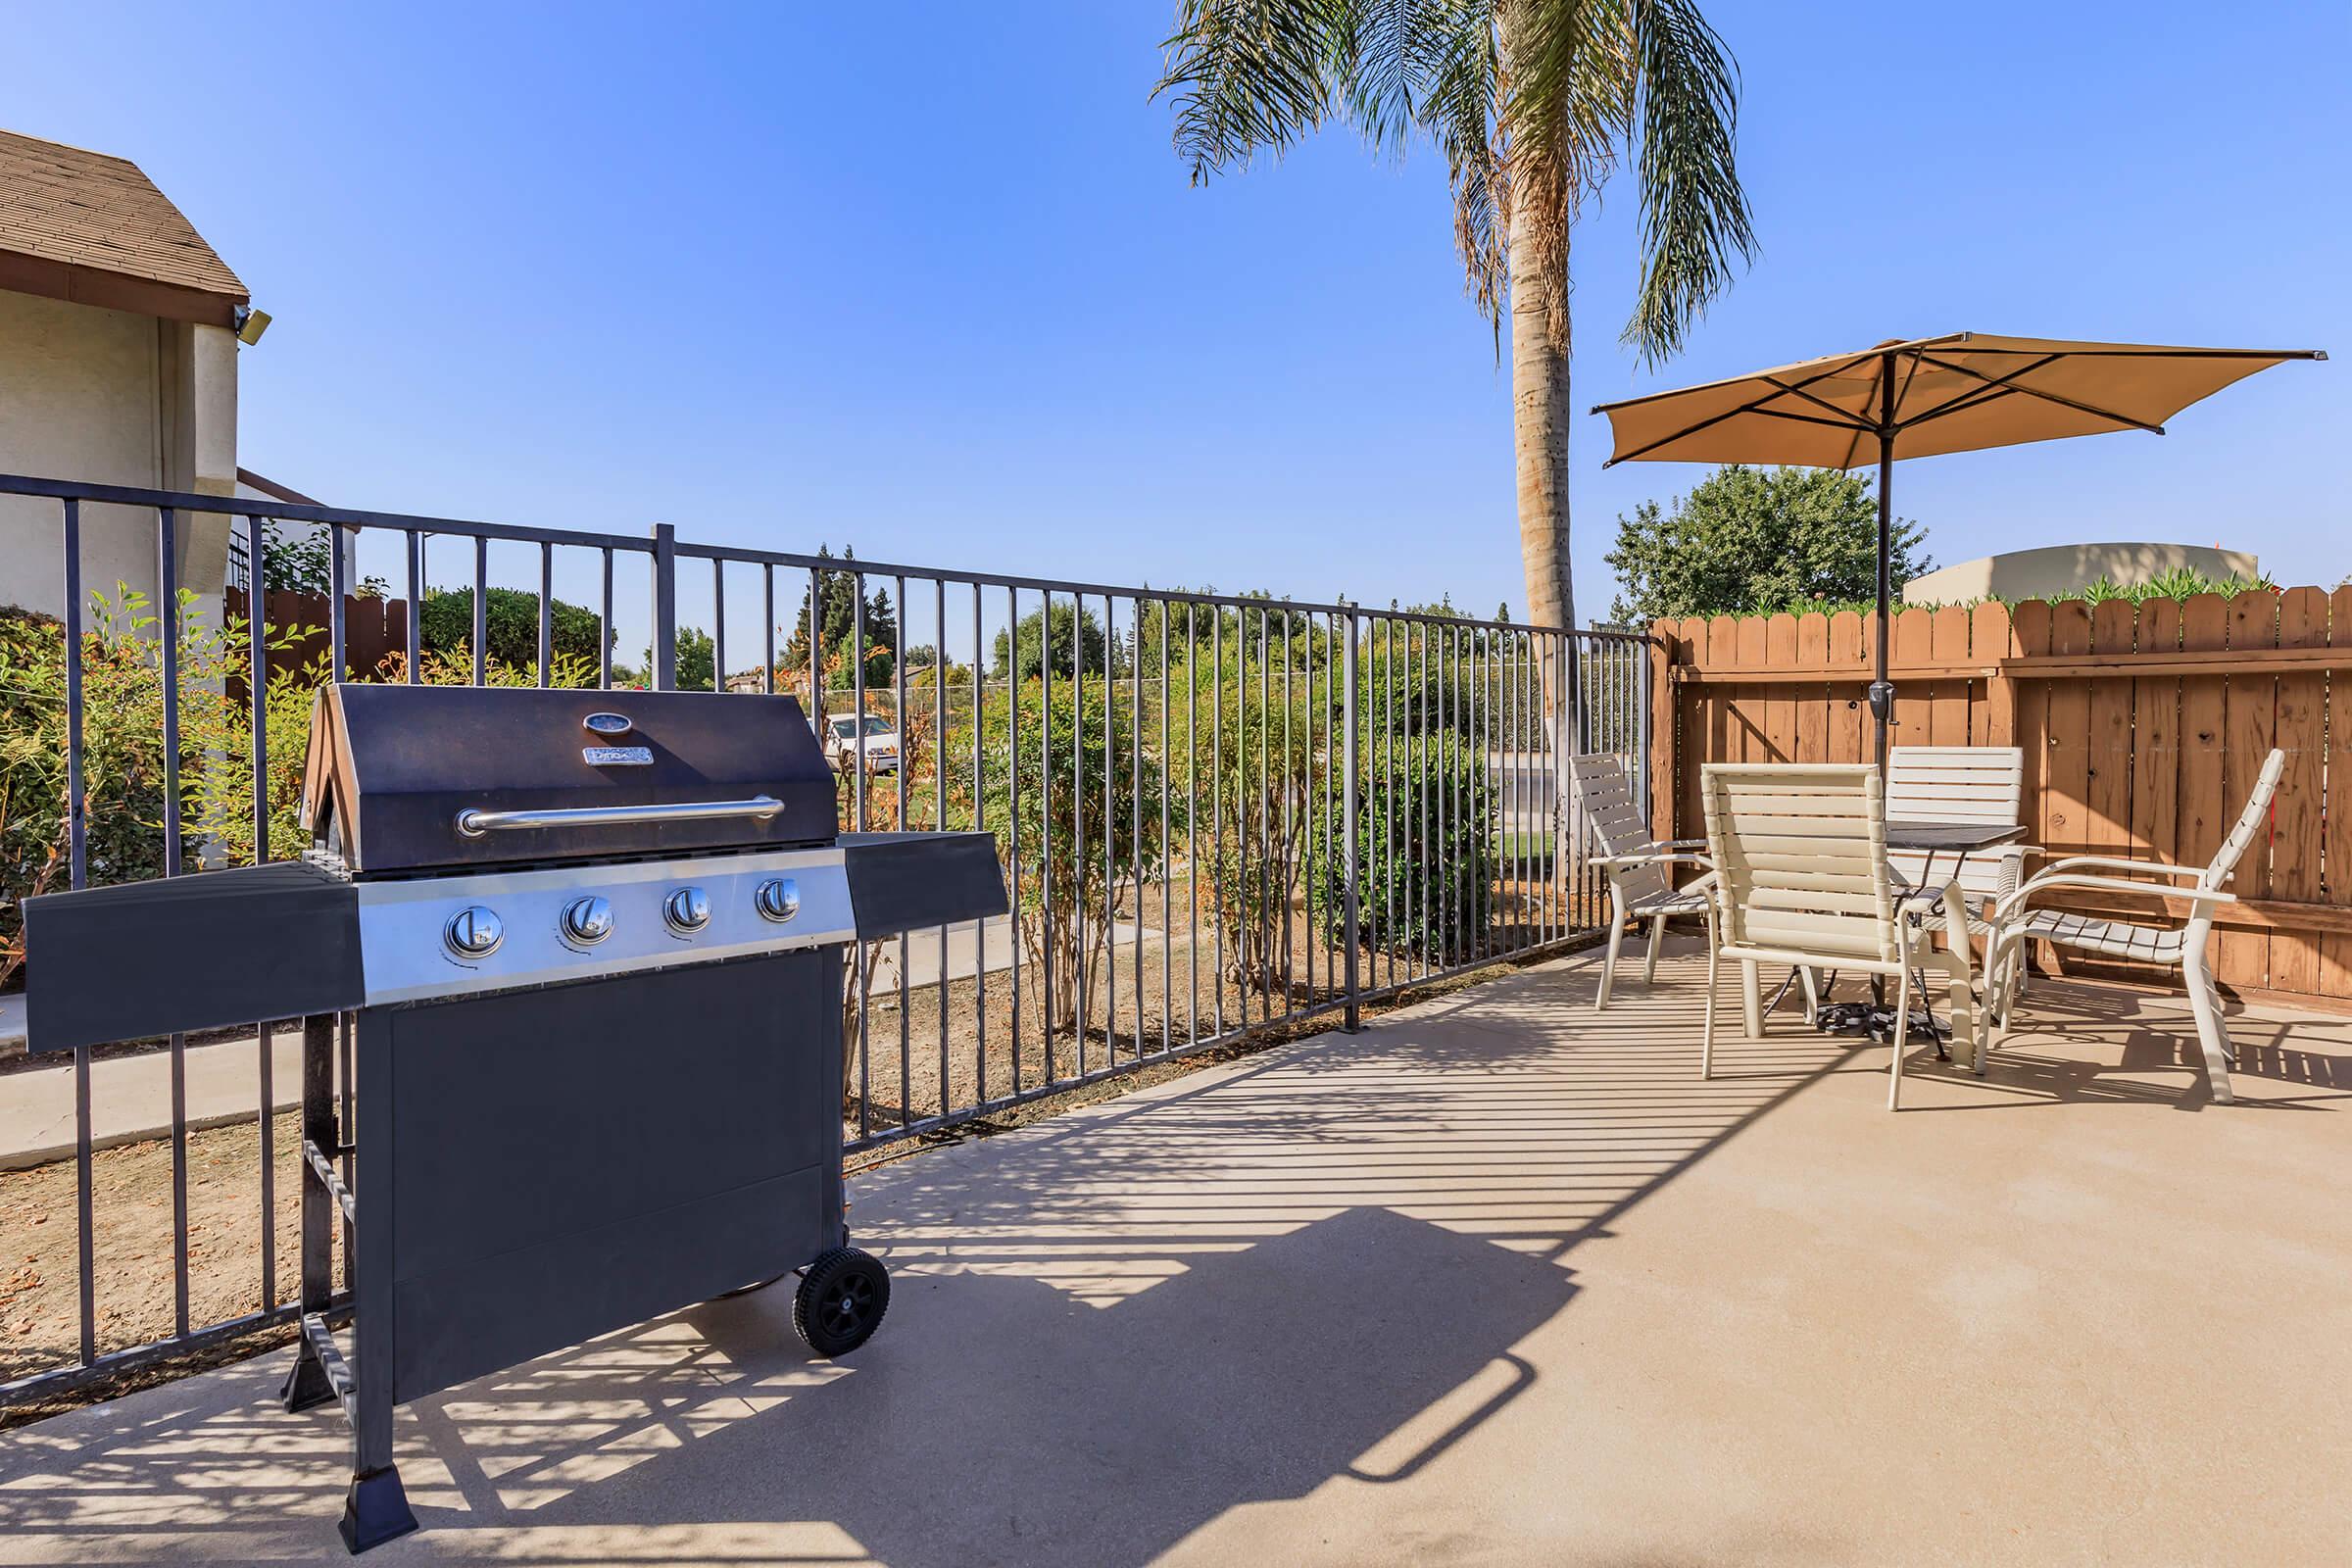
(111, 398)
(2063, 568)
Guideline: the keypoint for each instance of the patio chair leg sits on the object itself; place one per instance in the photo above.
(1649, 962)
(1902, 1038)
(1608, 966)
(1751, 999)
(1812, 987)
(1706, 1033)
(2212, 1034)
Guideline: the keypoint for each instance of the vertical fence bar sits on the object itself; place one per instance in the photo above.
(413, 634)
(1079, 915)
(1351, 894)
(718, 624)
(663, 673)
(939, 777)
(481, 608)
(337, 626)
(166, 578)
(865, 978)
(1045, 805)
(1191, 824)
(1216, 807)
(767, 630)
(1134, 790)
(258, 684)
(1013, 799)
(1167, 851)
(605, 632)
(1287, 865)
(1265, 819)
(1110, 832)
(816, 657)
(979, 824)
(1385, 839)
(547, 614)
(897, 780)
(77, 876)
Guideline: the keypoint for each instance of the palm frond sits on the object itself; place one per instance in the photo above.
(1249, 76)
(1694, 217)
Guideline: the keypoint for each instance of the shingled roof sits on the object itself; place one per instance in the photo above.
(93, 228)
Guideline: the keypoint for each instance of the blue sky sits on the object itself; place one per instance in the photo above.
(928, 279)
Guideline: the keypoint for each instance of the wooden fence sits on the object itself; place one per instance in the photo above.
(373, 628)
(2142, 728)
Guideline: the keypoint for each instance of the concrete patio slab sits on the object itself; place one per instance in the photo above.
(1497, 1280)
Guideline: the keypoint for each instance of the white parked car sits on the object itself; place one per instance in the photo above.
(839, 738)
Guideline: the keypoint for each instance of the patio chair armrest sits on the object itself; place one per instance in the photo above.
(2008, 908)
(2120, 864)
(1650, 857)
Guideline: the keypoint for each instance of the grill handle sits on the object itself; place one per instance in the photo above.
(474, 823)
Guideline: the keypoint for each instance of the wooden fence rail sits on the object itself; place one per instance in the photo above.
(2142, 728)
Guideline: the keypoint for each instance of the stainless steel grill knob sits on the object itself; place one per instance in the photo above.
(589, 920)
(687, 909)
(473, 932)
(779, 899)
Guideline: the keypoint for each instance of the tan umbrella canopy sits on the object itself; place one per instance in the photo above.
(1918, 397)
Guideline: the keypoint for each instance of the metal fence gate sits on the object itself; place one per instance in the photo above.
(1217, 814)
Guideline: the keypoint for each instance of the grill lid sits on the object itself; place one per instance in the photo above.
(403, 778)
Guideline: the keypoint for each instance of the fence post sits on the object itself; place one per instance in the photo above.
(1351, 896)
(664, 672)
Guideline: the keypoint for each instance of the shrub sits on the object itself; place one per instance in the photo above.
(127, 811)
(445, 623)
(1425, 881)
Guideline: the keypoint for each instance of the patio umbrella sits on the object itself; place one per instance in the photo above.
(1917, 397)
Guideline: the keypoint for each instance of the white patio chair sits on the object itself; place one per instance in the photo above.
(2182, 946)
(1640, 886)
(1803, 879)
(1960, 784)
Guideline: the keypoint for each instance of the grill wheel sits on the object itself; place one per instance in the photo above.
(841, 1300)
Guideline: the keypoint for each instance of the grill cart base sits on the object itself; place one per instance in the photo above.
(543, 1166)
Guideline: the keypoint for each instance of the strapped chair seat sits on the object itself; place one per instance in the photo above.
(2114, 939)
(1638, 868)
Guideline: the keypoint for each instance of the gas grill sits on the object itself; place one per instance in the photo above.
(593, 944)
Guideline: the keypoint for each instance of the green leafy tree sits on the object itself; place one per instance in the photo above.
(1426, 877)
(1532, 105)
(838, 627)
(512, 615)
(1750, 539)
(1069, 639)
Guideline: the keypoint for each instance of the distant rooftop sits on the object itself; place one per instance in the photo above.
(93, 228)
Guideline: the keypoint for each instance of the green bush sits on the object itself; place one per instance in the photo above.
(1425, 881)
(126, 809)
(446, 624)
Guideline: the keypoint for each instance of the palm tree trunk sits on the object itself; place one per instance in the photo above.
(1540, 414)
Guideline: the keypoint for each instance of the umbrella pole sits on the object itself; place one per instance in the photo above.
(1881, 690)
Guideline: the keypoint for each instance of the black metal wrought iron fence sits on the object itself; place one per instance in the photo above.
(1216, 814)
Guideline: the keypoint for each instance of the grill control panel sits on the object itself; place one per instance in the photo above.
(457, 936)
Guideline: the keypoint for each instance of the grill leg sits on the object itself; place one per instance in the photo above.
(307, 1385)
(376, 1508)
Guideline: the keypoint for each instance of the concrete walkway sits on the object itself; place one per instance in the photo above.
(1498, 1280)
(130, 1096)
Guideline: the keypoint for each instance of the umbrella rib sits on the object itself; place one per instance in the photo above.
(2047, 397)
(1976, 396)
(1846, 417)
(1711, 420)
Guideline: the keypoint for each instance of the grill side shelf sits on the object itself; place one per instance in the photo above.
(909, 881)
(182, 954)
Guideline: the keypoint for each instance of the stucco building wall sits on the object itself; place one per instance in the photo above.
(111, 397)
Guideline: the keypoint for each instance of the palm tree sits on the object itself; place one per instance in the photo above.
(1532, 103)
